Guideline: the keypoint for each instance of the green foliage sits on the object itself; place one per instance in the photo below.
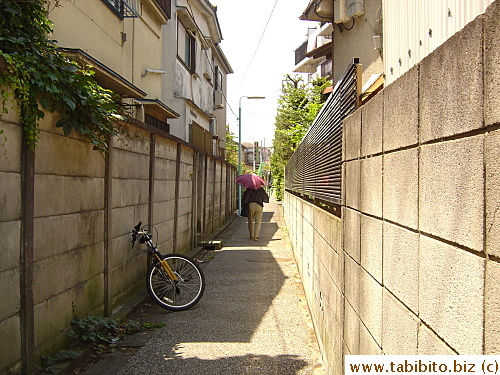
(231, 148)
(101, 332)
(39, 76)
(298, 106)
(49, 362)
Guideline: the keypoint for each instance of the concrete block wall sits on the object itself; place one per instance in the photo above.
(10, 227)
(67, 214)
(420, 258)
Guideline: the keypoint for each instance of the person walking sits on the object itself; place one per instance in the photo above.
(253, 200)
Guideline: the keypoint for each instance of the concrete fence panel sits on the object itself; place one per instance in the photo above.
(67, 213)
(418, 268)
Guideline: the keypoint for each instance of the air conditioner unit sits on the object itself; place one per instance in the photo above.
(339, 11)
(218, 99)
(355, 8)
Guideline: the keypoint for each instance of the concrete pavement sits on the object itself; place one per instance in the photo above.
(252, 319)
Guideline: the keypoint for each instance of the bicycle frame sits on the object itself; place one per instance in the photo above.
(145, 237)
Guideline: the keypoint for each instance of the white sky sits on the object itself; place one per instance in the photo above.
(242, 24)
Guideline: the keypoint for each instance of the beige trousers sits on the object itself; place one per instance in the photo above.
(254, 219)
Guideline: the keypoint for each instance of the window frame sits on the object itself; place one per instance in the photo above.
(188, 51)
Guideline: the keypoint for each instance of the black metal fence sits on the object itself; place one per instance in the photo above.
(315, 168)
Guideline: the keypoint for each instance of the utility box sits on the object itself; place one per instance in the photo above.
(355, 8)
(339, 11)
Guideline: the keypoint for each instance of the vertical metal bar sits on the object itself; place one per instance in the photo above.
(27, 255)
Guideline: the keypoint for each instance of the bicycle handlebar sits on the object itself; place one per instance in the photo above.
(136, 229)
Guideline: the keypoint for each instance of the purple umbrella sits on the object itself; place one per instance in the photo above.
(250, 181)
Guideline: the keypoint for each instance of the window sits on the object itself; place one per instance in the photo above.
(157, 123)
(166, 6)
(186, 47)
(123, 8)
(218, 78)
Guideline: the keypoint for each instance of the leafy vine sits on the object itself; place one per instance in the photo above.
(40, 77)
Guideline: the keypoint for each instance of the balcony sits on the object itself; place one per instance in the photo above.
(124, 8)
(300, 53)
(315, 50)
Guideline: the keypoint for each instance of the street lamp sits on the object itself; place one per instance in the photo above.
(239, 146)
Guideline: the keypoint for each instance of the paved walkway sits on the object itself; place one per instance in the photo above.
(252, 319)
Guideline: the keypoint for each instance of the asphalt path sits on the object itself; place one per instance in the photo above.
(252, 319)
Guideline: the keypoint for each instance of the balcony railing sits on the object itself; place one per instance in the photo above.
(124, 8)
(300, 53)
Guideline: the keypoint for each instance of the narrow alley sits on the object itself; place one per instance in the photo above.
(252, 319)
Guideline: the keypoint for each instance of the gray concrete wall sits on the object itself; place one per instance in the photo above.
(77, 259)
(418, 268)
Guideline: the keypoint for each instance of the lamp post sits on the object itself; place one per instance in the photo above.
(239, 146)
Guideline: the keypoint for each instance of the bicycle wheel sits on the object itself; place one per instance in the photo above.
(176, 295)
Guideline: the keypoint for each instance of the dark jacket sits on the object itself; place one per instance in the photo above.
(258, 196)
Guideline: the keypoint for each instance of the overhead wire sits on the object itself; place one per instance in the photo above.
(258, 45)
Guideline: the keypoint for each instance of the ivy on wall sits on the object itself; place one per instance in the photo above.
(39, 76)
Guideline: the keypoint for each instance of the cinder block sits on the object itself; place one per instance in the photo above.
(79, 157)
(10, 256)
(492, 184)
(352, 233)
(401, 111)
(132, 138)
(10, 144)
(165, 148)
(371, 186)
(352, 136)
(127, 192)
(10, 196)
(451, 191)
(80, 229)
(130, 165)
(165, 170)
(352, 283)
(351, 329)
(164, 190)
(430, 344)
(10, 345)
(453, 69)
(492, 309)
(371, 246)
(400, 328)
(401, 264)
(352, 184)
(400, 187)
(74, 194)
(10, 292)
(451, 290)
(491, 67)
(370, 305)
(13, 110)
(57, 274)
(367, 344)
(372, 121)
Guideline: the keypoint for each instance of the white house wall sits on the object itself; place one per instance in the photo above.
(415, 28)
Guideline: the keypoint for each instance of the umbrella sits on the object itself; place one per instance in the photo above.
(251, 181)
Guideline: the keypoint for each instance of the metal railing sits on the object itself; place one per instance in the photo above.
(300, 53)
(315, 168)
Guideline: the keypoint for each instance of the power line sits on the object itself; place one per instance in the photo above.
(258, 45)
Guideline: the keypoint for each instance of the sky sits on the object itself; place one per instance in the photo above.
(242, 24)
